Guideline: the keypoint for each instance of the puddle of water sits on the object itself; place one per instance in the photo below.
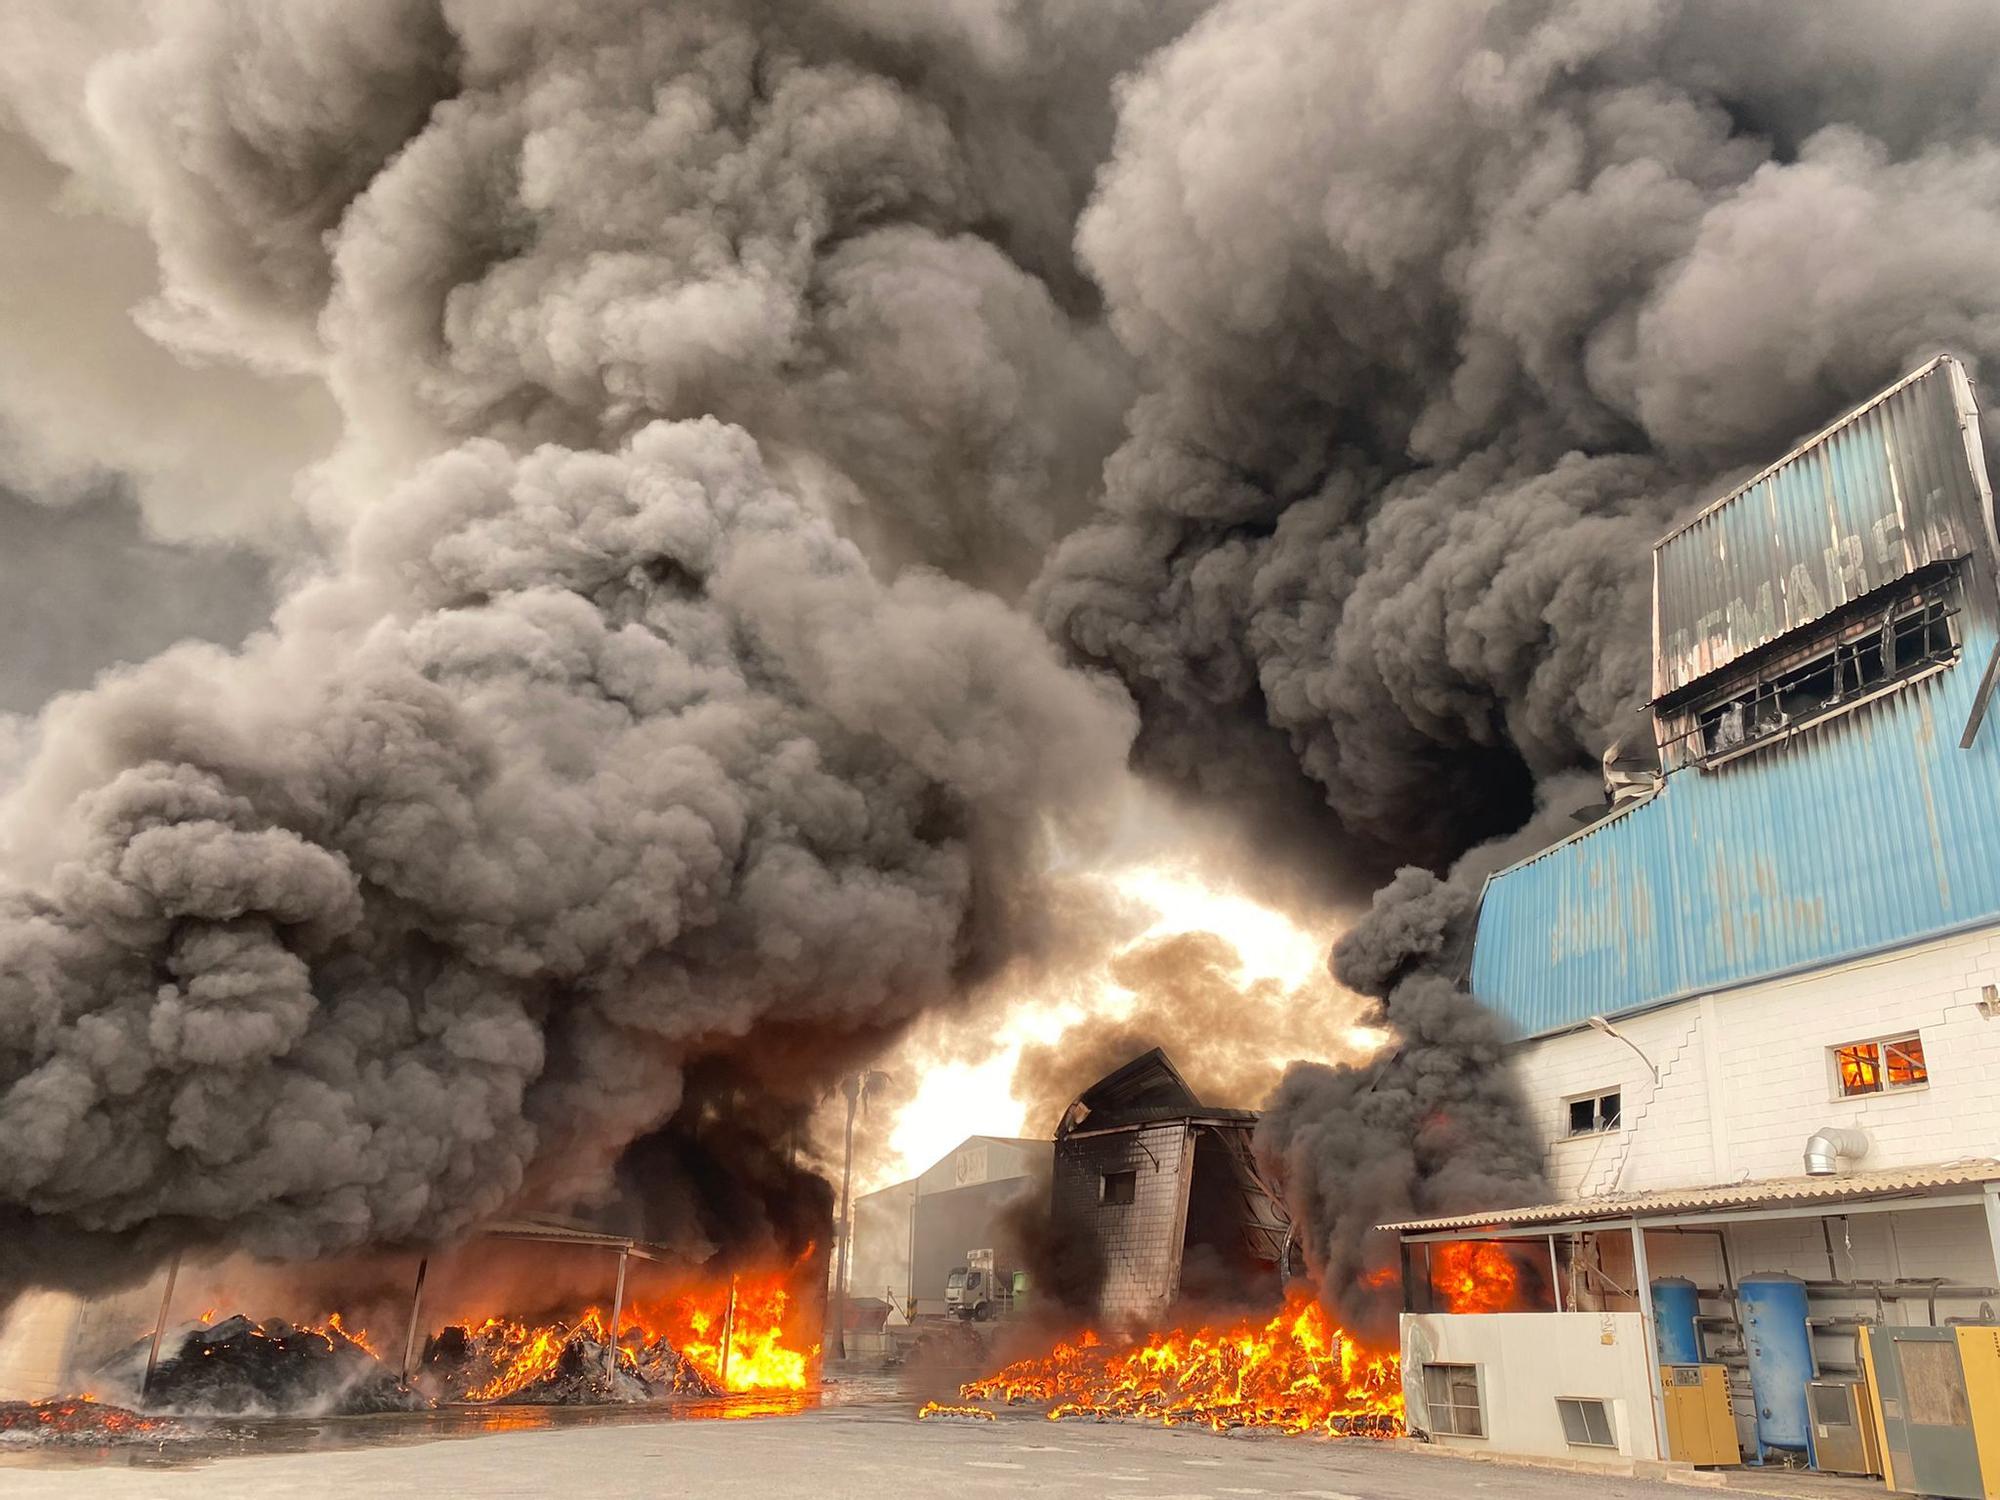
(237, 1437)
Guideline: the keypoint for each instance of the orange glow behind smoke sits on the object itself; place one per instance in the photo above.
(766, 1348)
(1296, 1373)
(1474, 1276)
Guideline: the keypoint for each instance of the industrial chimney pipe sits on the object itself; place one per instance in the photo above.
(1829, 1144)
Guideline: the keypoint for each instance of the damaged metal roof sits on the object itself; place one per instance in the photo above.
(1887, 1182)
(1892, 487)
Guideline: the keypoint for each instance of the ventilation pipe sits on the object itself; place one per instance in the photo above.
(1829, 1145)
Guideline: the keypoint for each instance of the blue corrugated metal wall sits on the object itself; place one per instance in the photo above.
(1861, 832)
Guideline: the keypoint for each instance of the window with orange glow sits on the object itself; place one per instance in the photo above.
(1873, 1067)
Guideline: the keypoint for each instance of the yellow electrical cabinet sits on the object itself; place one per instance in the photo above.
(1700, 1426)
(1979, 1355)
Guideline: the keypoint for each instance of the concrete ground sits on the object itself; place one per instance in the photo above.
(873, 1448)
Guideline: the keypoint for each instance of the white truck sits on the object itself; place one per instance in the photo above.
(978, 1291)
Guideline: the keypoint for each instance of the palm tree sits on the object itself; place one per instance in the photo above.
(857, 1087)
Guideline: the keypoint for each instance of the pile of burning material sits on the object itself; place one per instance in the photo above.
(1297, 1373)
(82, 1422)
(944, 1412)
(556, 1364)
(237, 1366)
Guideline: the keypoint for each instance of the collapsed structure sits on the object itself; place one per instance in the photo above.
(1760, 1002)
(1164, 1190)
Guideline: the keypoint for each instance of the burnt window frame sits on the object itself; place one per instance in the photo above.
(1866, 650)
(1603, 1122)
(1883, 1084)
(1127, 1179)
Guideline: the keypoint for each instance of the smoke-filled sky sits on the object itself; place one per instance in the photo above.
(680, 520)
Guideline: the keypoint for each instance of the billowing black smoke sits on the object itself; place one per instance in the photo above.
(713, 376)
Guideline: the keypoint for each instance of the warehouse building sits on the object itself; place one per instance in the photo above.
(1760, 1008)
(908, 1237)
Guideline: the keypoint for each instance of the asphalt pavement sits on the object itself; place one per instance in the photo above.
(873, 1448)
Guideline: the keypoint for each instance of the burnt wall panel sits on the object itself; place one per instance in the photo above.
(1139, 1241)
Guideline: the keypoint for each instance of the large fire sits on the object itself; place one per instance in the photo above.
(1475, 1276)
(1295, 1373)
(741, 1336)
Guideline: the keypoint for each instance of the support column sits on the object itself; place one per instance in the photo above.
(1990, 1194)
(1555, 1275)
(416, 1322)
(159, 1327)
(1642, 1274)
(617, 1312)
(728, 1332)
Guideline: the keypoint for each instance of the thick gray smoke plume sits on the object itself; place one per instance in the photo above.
(619, 747)
(710, 375)
(1443, 311)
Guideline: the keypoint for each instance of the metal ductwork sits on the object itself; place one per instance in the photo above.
(1829, 1146)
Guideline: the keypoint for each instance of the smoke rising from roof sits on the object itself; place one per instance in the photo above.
(1441, 313)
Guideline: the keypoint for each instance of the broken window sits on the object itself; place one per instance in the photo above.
(1872, 1067)
(1847, 664)
(1118, 1187)
(1586, 1422)
(1591, 1113)
(1451, 1393)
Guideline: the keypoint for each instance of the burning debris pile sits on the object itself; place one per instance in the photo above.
(237, 1366)
(742, 1337)
(1296, 1373)
(941, 1411)
(558, 1364)
(81, 1421)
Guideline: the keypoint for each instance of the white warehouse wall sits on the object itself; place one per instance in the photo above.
(1527, 1360)
(1744, 1077)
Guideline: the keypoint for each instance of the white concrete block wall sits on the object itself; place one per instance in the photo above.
(1744, 1077)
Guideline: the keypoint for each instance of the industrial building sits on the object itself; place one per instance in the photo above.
(1759, 1003)
(1165, 1190)
(908, 1237)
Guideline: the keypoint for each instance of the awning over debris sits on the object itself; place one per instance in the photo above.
(1895, 1182)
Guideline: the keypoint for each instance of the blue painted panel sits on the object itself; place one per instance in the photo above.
(1861, 832)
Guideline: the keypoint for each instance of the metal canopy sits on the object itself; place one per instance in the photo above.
(1777, 1197)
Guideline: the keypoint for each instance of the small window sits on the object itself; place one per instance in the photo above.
(1119, 1187)
(1452, 1394)
(1873, 1067)
(1594, 1112)
(1586, 1422)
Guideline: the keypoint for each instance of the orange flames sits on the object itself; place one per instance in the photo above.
(1296, 1373)
(1475, 1276)
(742, 1336)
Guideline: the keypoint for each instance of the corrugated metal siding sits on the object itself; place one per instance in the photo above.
(1861, 832)
(1885, 491)
(1847, 1187)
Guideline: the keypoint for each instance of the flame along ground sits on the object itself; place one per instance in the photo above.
(1296, 1373)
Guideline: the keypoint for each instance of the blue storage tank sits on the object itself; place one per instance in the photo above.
(1781, 1359)
(1675, 1308)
